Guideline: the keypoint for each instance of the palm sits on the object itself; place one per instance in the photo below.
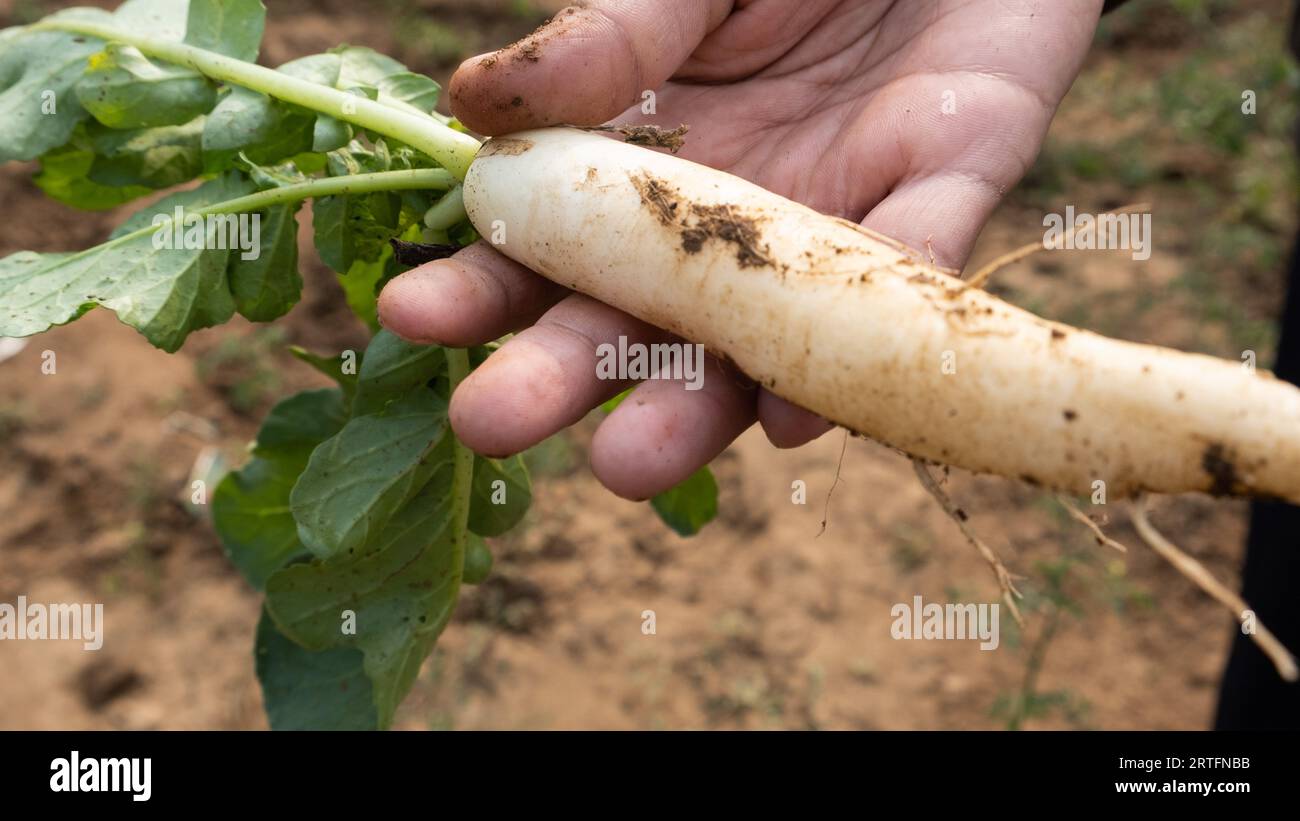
(878, 94)
(911, 116)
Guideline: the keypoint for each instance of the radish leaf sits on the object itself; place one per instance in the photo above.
(331, 366)
(502, 493)
(361, 287)
(164, 19)
(400, 587)
(358, 480)
(268, 286)
(312, 691)
(250, 508)
(164, 294)
(154, 158)
(124, 89)
(230, 27)
(247, 121)
(392, 369)
(478, 561)
(38, 71)
(65, 176)
(691, 505)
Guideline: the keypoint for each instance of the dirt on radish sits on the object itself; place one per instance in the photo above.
(759, 623)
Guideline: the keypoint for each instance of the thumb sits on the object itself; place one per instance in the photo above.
(585, 67)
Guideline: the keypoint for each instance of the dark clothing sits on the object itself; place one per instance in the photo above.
(1253, 695)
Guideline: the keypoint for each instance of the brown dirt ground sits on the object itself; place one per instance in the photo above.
(761, 621)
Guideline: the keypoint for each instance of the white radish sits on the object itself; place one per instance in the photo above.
(860, 330)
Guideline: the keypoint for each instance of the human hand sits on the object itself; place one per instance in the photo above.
(913, 117)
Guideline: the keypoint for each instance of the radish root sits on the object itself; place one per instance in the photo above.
(1005, 581)
(1086, 521)
(983, 275)
(860, 330)
(1202, 578)
(839, 467)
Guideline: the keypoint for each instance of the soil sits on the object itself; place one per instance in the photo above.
(761, 621)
